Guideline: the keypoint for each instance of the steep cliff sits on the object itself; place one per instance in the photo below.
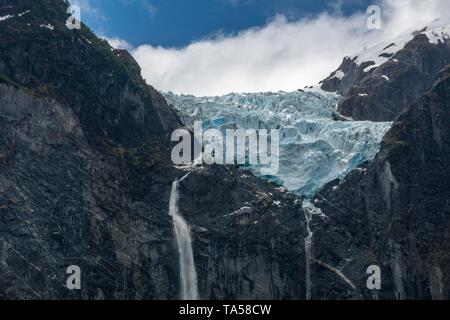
(86, 175)
(395, 211)
(249, 235)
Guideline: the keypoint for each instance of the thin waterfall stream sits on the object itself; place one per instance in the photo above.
(310, 212)
(188, 274)
(308, 249)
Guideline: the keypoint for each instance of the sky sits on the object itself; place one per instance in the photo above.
(177, 23)
(214, 47)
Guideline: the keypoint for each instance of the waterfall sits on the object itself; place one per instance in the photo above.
(308, 249)
(188, 275)
(310, 211)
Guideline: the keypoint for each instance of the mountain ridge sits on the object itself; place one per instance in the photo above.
(399, 202)
(86, 176)
(390, 76)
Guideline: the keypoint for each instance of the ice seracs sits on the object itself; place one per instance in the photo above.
(314, 149)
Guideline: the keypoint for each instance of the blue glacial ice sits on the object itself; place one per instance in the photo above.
(314, 149)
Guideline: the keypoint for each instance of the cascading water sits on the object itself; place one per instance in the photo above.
(310, 212)
(188, 275)
(314, 148)
(308, 250)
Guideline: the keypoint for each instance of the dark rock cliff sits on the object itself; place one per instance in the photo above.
(384, 92)
(249, 236)
(395, 211)
(86, 175)
(85, 179)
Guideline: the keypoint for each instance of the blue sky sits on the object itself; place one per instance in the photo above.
(176, 23)
(214, 47)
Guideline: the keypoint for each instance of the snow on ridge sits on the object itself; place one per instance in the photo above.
(439, 34)
(381, 52)
(23, 13)
(384, 51)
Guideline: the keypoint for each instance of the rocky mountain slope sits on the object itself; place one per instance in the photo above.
(86, 176)
(381, 82)
(248, 235)
(395, 211)
(85, 179)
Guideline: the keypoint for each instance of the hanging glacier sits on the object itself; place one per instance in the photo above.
(314, 148)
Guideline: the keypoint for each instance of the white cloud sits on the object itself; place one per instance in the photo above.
(88, 8)
(117, 43)
(283, 55)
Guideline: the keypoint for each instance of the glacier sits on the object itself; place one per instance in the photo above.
(314, 148)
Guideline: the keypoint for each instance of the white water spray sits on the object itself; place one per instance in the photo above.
(310, 211)
(188, 275)
(308, 249)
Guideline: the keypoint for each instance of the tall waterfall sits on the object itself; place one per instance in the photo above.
(310, 212)
(308, 249)
(188, 275)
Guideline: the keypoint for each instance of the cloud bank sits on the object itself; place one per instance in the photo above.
(282, 55)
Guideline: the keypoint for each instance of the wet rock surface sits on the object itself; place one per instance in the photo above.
(248, 235)
(394, 212)
(86, 175)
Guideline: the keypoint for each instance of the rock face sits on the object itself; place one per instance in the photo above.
(248, 235)
(382, 82)
(83, 170)
(393, 212)
(63, 202)
(86, 176)
(85, 179)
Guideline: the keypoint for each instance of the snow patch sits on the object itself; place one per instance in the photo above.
(7, 17)
(339, 74)
(317, 89)
(440, 34)
(10, 16)
(48, 26)
(382, 52)
(87, 40)
(23, 13)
